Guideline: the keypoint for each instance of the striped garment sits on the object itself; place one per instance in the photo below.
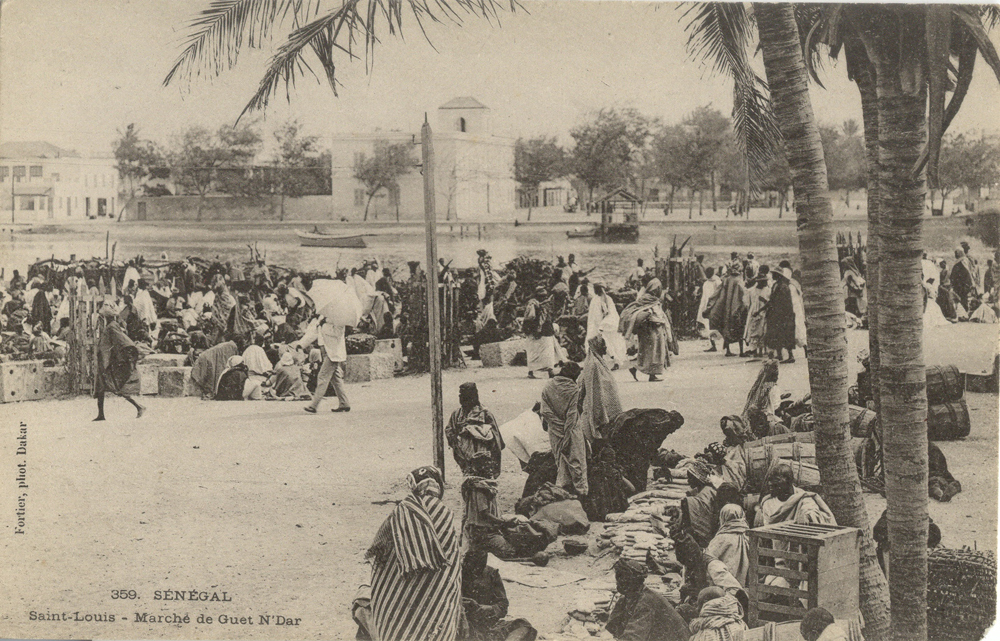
(416, 590)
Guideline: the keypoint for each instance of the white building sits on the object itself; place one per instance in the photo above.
(473, 172)
(42, 182)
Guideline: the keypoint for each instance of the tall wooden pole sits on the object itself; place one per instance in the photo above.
(433, 302)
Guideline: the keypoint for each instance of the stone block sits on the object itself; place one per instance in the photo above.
(392, 346)
(22, 381)
(500, 354)
(149, 370)
(362, 368)
(57, 384)
(176, 381)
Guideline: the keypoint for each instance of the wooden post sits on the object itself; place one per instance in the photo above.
(107, 242)
(433, 301)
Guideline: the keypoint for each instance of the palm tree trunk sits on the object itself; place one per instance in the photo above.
(865, 79)
(823, 298)
(902, 135)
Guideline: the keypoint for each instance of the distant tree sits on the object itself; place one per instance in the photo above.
(383, 169)
(669, 154)
(778, 177)
(298, 168)
(969, 163)
(135, 159)
(537, 160)
(609, 149)
(708, 131)
(202, 160)
(844, 151)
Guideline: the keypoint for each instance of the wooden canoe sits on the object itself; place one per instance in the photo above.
(312, 239)
(582, 233)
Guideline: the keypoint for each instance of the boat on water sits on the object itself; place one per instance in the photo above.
(319, 239)
(582, 233)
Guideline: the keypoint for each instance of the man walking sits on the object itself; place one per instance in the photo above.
(331, 341)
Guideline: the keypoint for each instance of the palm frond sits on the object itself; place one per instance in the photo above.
(220, 32)
(974, 27)
(937, 28)
(357, 24)
(720, 34)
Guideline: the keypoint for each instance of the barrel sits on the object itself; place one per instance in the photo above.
(945, 384)
(948, 421)
(863, 421)
(761, 457)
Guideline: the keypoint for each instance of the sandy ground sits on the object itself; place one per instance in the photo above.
(276, 508)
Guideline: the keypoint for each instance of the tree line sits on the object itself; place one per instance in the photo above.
(701, 153)
(200, 161)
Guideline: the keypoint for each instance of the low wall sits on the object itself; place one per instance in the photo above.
(185, 208)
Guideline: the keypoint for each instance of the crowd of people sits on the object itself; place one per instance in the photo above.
(250, 332)
(962, 292)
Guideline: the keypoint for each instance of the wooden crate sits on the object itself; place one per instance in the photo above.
(820, 563)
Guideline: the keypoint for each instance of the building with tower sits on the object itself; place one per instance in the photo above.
(473, 173)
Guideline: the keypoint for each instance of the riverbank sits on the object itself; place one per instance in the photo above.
(276, 507)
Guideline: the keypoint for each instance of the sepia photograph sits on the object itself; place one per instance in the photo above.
(553, 320)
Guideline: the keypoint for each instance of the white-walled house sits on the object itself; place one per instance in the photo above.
(473, 173)
(46, 183)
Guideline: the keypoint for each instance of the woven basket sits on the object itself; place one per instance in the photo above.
(961, 594)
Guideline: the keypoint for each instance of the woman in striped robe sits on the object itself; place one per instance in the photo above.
(416, 568)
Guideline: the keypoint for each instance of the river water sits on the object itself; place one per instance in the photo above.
(395, 245)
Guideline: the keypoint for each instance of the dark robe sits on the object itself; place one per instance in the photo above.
(728, 314)
(780, 314)
(41, 312)
(117, 356)
(636, 436)
(961, 282)
(646, 616)
(231, 384)
(486, 622)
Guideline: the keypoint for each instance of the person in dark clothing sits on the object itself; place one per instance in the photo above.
(41, 311)
(780, 333)
(609, 489)
(484, 603)
(233, 380)
(117, 356)
(880, 532)
(962, 281)
(129, 317)
(639, 613)
(472, 429)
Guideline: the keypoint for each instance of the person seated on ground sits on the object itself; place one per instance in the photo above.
(259, 369)
(233, 380)
(720, 616)
(473, 429)
(764, 394)
(731, 545)
(702, 570)
(484, 604)
(880, 532)
(639, 613)
(941, 485)
(698, 512)
(135, 328)
(781, 501)
(483, 525)
(175, 304)
(286, 381)
(819, 625)
(560, 413)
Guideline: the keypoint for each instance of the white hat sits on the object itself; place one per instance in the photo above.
(787, 273)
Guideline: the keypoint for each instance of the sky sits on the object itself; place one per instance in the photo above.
(74, 72)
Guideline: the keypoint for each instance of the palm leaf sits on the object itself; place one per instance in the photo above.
(937, 24)
(221, 32)
(720, 34)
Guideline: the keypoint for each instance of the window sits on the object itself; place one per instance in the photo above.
(359, 157)
(19, 172)
(35, 171)
(461, 124)
(60, 202)
(55, 177)
(359, 197)
(86, 181)
(27, 203)
(3, 173)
